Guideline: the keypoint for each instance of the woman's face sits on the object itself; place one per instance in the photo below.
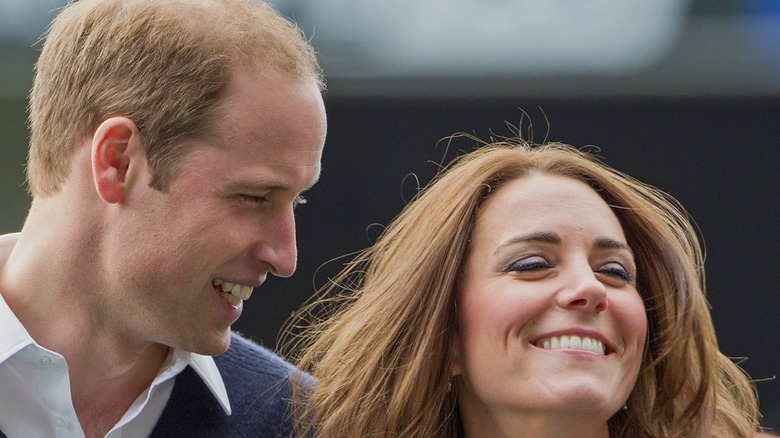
(551, 326)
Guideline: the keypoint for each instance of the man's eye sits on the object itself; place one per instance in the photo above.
(529, 264)
(252, 199)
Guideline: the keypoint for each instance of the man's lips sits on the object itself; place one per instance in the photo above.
(233, 292)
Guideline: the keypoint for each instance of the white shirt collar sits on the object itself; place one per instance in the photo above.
(14, 337)
(205, 367)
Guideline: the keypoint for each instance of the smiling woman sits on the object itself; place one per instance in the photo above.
(550, 323)
(527, 291)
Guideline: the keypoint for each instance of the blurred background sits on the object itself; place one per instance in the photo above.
(682, 94)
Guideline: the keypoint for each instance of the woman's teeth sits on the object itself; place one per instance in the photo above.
(573, 342)
(234, 293)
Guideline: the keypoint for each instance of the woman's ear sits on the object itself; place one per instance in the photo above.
(455, 368)
(113, 151)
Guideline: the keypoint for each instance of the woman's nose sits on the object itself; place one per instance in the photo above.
(584, 292)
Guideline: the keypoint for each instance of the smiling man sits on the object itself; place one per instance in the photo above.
(171, 141)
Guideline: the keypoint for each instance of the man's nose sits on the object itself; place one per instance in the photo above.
(277, 246)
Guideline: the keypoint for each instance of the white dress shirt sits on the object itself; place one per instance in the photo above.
(35, 398)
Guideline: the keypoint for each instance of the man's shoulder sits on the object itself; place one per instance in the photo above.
(259, 384)
(247, 359)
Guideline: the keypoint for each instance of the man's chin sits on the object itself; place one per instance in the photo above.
(210, 347)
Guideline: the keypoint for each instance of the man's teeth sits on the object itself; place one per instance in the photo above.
(573, 342)
(234, 293)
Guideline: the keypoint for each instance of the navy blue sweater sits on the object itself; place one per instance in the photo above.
(258, 386)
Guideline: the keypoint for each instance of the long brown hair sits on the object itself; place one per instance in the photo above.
(379, 336)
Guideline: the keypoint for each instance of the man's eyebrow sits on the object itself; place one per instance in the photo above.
(255, 186)
(264, 186)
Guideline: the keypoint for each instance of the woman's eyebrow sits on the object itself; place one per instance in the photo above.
(540, 236)
(610, 243)
(553, 238)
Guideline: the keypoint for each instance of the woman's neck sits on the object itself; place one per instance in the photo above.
(541, 425)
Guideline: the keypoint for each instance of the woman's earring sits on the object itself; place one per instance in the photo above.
(449, 384)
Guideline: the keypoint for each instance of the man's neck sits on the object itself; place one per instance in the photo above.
(101, 399)
(54, 298)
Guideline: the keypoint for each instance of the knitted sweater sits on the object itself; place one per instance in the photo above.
(258, 385)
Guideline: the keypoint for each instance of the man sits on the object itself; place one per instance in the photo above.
(171, 140)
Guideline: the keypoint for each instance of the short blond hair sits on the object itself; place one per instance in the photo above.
(165, 64)
(383, 349)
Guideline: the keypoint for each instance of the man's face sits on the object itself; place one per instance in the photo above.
(226, 218)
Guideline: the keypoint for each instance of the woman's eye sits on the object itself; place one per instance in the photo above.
(616, 270)
(529, 264)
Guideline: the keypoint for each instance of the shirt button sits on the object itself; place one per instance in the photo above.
(61, 422)
(45, 361)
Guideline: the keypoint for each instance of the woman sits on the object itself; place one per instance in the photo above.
(527, 291)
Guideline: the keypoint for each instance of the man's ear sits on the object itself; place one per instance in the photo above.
(114, 145)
